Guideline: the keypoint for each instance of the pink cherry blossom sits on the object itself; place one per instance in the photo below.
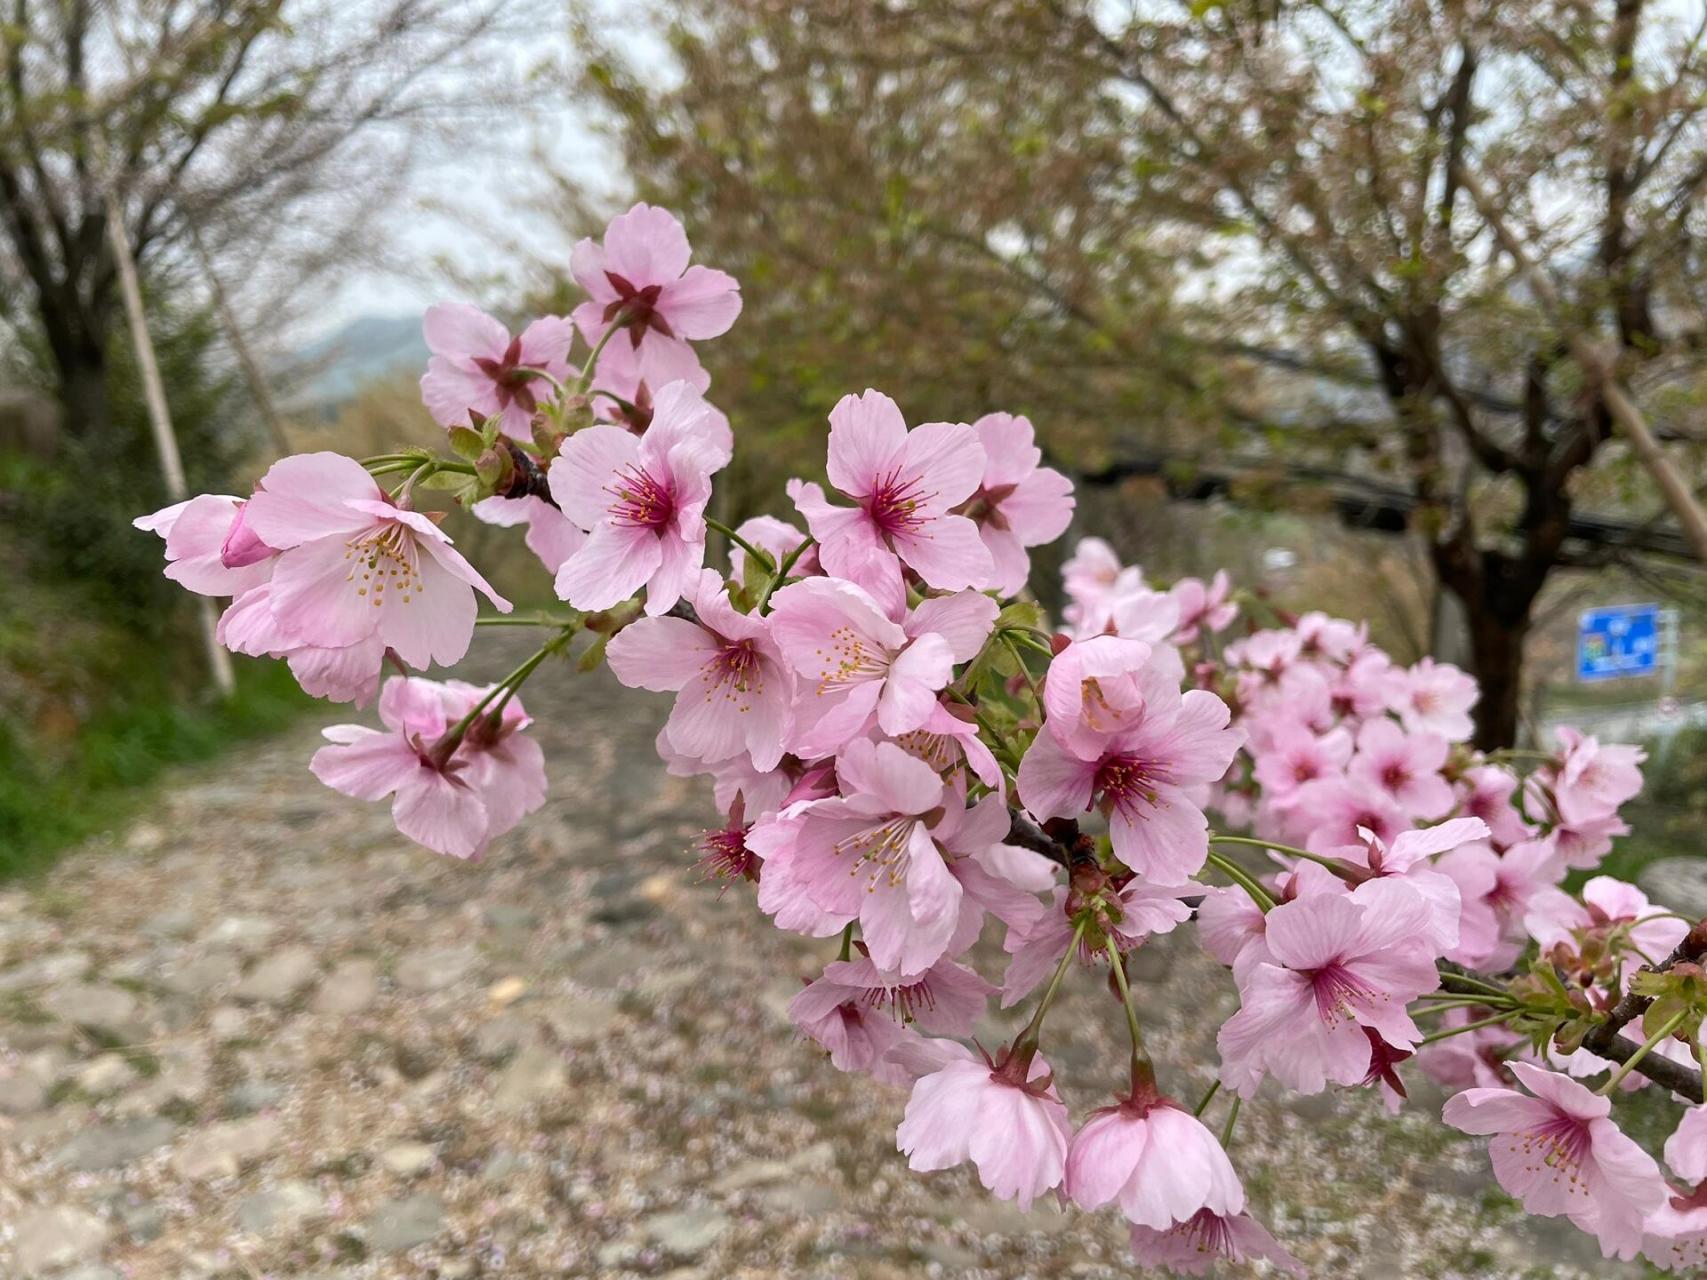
(1434, 697)
(1329, 812)
(858, 1037)
(905, 485)
(1403, 765)
(353, 566)
(1334, 639)
(1142, 614)
(868, 853)
(1495, 891)
(949, 739)
(477, 366)
(1560, 1153)
(550, 534)
(1231, 928)
(1158, 1162)
(1591, 780)
(640, 274)
(641, 501)
(1141, 780)
(1674, 1237)
(1338, 964)
(1410, 859)
(857, 668)
(345, 674)
(1295, 755)
(733, 690)
(1553, 916)
(1141, 911)
(1203, 608)
(1015, 1132)
(210, 548)
(1192, 1247)
(860, 1013)
(1093, 579)
(1019, 503)
(1486, 792)
(1686, 1149)
(1097, 687)
(453, 804)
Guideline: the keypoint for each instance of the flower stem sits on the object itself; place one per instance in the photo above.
(538, 620)
(1033, 1029)
(586, 378)
(776, 579)
(1671, 1025)
(1448, 1032)
(1118, 963)
(1019, 661)
(1203, 1104)
(448, 744)
(764, 560)
(1232, 1119)
(1239, 876)
(1332, 864)
(847, 942)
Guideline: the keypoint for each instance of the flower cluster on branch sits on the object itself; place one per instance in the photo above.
(912, 757)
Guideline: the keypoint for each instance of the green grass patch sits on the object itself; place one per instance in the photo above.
(52, 799)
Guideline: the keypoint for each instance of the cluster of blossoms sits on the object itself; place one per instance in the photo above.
(916, 767)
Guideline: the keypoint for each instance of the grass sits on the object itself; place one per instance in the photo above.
(104, 776)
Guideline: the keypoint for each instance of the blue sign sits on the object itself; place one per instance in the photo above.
(1621, 641)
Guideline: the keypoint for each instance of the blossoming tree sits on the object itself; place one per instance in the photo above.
(907, 753)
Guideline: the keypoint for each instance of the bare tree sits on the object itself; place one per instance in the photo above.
(1320, 225)
(272, 127)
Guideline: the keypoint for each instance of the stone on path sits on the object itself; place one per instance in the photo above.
(287, 1205)
(435, 968)
(51, 1238)
(221, 1150)
(686, 1232)
(245, 933)
(536, 1074)
(280, 976)
(105, 1074)
(402, 1224)
(406, 1159)
(111, 1010)
(349, 988)
(21, 1093)
(112, 1145)
(576, 1022)
(204, 975)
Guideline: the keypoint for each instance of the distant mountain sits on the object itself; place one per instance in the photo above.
(332, 370)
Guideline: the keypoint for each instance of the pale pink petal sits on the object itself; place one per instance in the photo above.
(702, 304)
(615, 563)
(660, 654)
(646, 246)
(459, 330)
(867, 436)
(303, 498)
(588, 469)
(948, 554)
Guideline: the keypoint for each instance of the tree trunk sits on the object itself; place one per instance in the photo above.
(1496, 656)
(83, 391)
(1498, 594)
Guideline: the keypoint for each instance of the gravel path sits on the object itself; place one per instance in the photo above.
(260, 1035)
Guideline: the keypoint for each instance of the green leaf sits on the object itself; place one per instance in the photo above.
(467, 442)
